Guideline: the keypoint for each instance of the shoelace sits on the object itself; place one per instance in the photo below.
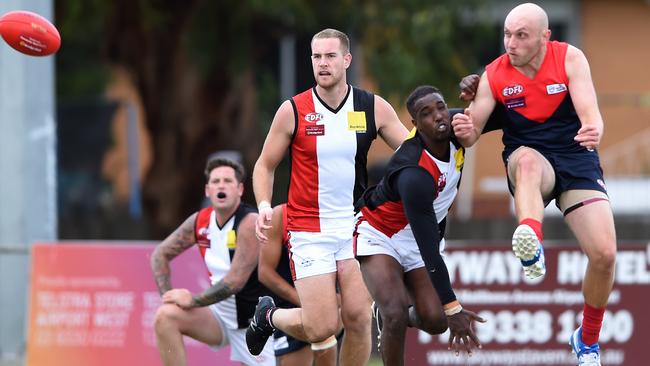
(590, 359)
(376, 315)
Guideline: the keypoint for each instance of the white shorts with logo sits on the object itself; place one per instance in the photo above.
(314, 254)
(401, 246)
(236, 338)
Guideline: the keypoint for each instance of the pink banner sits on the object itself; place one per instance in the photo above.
(93, 304)
(530, 322)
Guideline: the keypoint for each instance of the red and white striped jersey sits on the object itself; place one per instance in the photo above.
(328, 160)
(217, 245)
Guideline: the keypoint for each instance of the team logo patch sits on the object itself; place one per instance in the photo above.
(515, 102)
(313, 117)
(204, 232)
(442, 182)
(307, 262)
(555, 89)
(315, 130)
(512, 90)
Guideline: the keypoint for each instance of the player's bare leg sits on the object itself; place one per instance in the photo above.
(355, 313)
(427, 313)
(593, 226)
(315, 321)
(325, 352)
(533, 179)
(301, 357)
(318, 317)
(172, 322)
(384, 277)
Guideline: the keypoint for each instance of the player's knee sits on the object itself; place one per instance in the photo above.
(320, 332)
(357, 319)
(604, 258)
(166, 317)
(528, 164)
(394, 316)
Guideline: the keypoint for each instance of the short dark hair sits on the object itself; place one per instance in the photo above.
(418, 93)
(333, 33)
(217, 162)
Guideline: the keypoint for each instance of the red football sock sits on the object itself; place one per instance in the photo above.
(591, 323)
(535, 225)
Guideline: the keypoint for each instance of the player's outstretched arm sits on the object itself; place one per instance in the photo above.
(275, 146)
(176, 243)
(417, 189)
(469, 126)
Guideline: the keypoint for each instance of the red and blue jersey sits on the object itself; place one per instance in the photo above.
(539, 112)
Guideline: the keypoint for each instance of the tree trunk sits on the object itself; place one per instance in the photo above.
(188, 115)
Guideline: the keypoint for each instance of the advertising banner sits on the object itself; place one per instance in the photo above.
(94, 304)
(530, 322)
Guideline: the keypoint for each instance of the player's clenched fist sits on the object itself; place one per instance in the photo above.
(468, 87)
(462, 124)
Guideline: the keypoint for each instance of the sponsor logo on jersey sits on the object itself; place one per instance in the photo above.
(313, 117)
(357, 121)
(512, 90)
(231, 241)
(555, 89)
(316, 130)
(515, 102)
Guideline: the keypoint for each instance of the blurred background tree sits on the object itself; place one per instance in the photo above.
(206, 72)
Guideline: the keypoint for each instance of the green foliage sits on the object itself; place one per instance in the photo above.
(416, 42)
(80, 66)
(404, 43)
(207, 70)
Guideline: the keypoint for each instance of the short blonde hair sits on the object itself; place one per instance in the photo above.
(333, 33)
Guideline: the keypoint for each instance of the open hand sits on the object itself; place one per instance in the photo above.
(461, 334)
